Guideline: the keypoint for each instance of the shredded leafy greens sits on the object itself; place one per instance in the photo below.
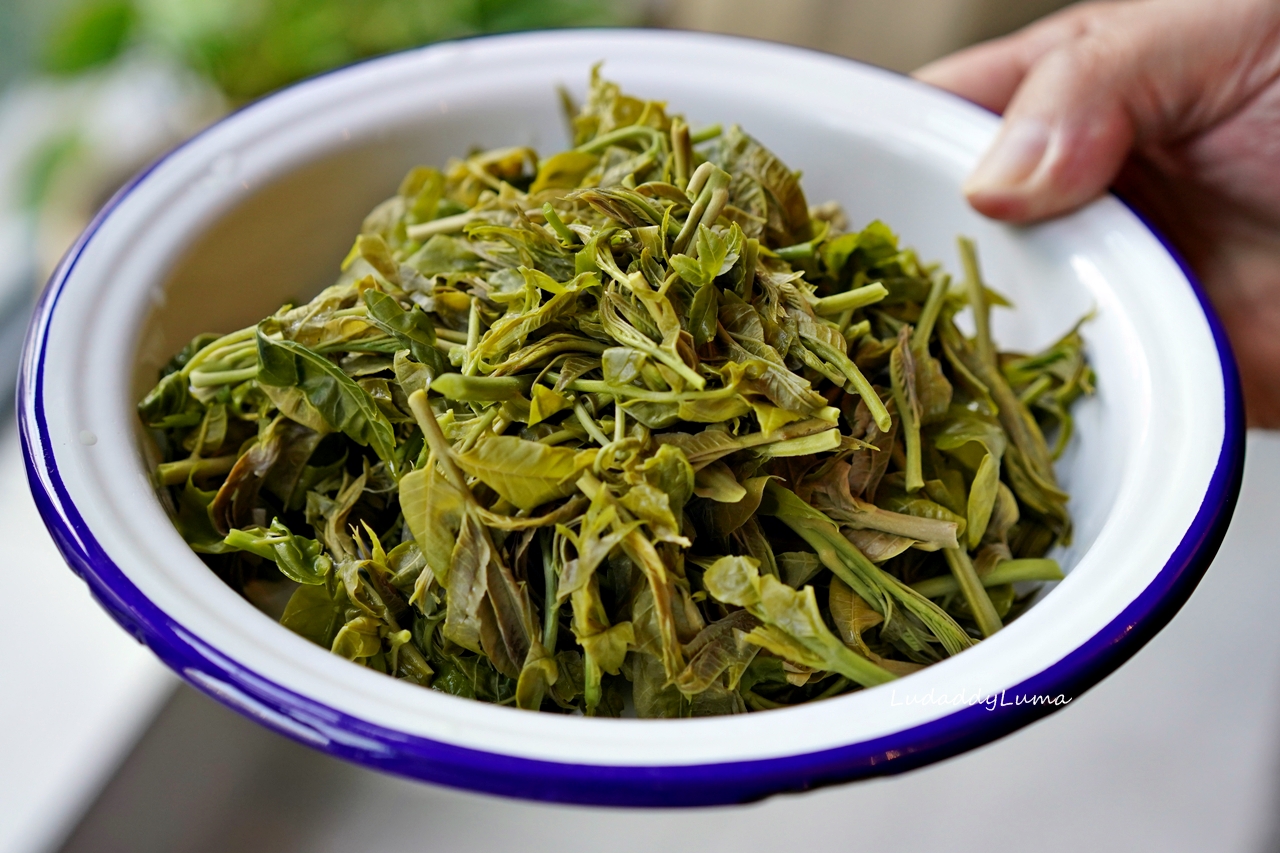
(631, 427)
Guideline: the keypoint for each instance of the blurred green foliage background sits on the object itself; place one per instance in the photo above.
(250, 47)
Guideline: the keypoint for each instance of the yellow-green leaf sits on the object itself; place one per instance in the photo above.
(526, 473)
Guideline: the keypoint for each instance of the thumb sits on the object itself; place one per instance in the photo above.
(1066, 133)
(1142, 73)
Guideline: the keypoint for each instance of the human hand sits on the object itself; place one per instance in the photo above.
(1174, 102)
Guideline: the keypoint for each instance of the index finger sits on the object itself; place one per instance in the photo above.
(989, 73)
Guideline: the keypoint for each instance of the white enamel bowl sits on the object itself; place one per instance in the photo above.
(263, 206)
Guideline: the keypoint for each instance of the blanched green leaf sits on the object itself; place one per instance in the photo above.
(793, 627)
(982, 498)
(852, 615)
(445, 254)
(716, 482)
(761, 175)
(607, 648)
(299, 559)
(168, 405)
(719, 649)
(564, 170)
(344, 405)
(830, 493)
(412, 328)
(881, 590)
(193, 522)
(315, 612)
(601, 531)
(433, 510)
(653, 507)
(544, 402)
(722, 518)
(358, 639)
(526, 473)
(538, 675)
(467, 584)
(507, 627)
(703, 315)
(797, 568)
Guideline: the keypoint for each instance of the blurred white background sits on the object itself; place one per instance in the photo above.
(102, 750)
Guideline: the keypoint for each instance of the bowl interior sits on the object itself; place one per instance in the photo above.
(263, 207)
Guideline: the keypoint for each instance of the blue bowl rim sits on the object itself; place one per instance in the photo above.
(378, 747)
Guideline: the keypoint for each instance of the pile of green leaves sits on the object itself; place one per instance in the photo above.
(629, 427)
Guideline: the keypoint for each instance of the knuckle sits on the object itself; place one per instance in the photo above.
(1083, 19)
(1099, 52)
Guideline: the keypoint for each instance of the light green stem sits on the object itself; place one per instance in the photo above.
(851, 566)
(902, 399)
(1009, 571)
(984, 612)
(706, 134)
(599, 386)
(177, 473)
(857, 330)
(859, 382)
(589, 424)
(472, 364)
(978, 302)
(443, 225)
(551, 602)
(652, 134)
(929, 315)
(201, 379)
(567, 237)
(451, 335)
(231, 347)
(859, 297)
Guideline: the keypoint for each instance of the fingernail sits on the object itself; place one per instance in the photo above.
(1012, 158)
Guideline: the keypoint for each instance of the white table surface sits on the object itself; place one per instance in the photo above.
(1179, 750)
(75, 690)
